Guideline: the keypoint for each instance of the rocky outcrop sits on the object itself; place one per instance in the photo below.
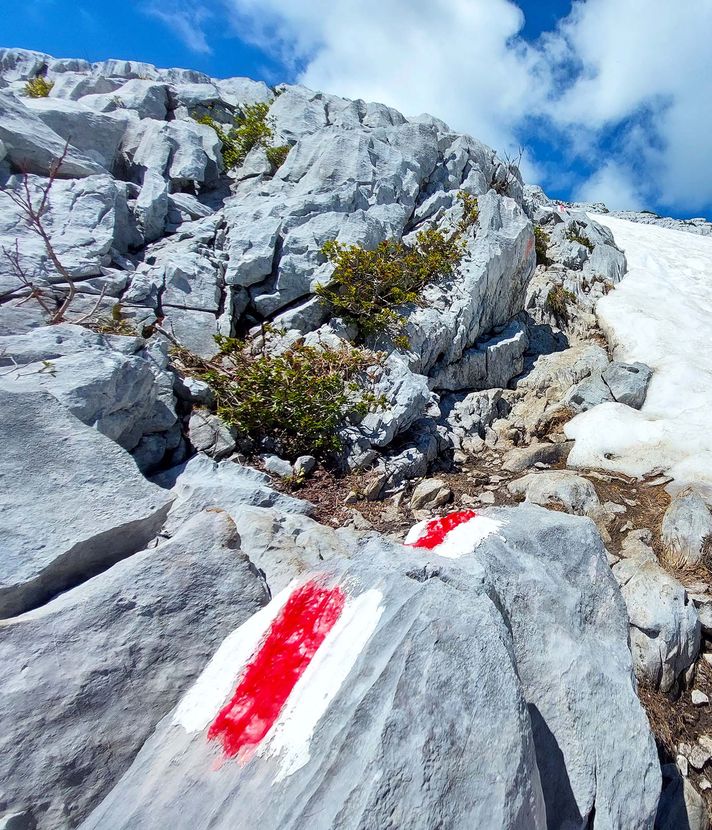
(97, 668)
(79, 507)
(391, 661)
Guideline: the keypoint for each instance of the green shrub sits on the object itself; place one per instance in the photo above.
(558, 300)
(251, 129)
(368, 286)
(38, 88)
(277, 155)
(575, 234)
(541, 243)
(298, 399)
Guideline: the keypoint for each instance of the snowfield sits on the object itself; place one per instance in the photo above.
(660, 314)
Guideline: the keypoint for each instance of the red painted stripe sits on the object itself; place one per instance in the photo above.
(437, 529)
(268, 679)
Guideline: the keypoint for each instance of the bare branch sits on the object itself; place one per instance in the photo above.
(24, 199)
(85, 317)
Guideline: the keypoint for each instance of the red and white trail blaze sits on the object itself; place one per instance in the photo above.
(269, 678)
(453, 535)
(272, 679)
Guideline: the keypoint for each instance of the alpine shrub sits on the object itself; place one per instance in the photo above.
(38, 88)
(369, 286)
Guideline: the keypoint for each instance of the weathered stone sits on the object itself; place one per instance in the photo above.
(81, 220)
(687, 527)
(33, 147)
(96, 135)
(564, 764)
(152, 206)
(562, 489)
(103, 663)
(78, 508)
(304, 465)
(121, 388)
(518, 460)
(628, 382)
(431, 493)
(209, 434)
(147, 98)
(278, 466)
(665, 630)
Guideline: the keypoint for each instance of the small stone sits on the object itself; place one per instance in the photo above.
(700, 753)
(699, 698)
(358, 521)
(277, 466)
(682, 765)
(305, 465)
(432, 493)
(373, 488)
(487, 498)
(704, 784)
(707, 657)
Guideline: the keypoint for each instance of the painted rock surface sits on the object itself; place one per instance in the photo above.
(397, 689)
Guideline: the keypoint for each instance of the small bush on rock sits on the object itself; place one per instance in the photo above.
(558, 300)
(296, 399)
(541, 244)
(575, 234)
(251, 129)
(38, 88)
(369, 286)
(277, 155)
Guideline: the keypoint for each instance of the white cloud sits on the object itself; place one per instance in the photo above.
(641, 67)
(185, 21)
(453, 58)
(611, 184)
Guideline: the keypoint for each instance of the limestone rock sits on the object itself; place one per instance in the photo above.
(95, 134)
(33, 147)
(665, 629)
(209, 434)
(533, 570)
(687, 527)
(628, 382)
(81, 506)
(431, 493)
(106, 661)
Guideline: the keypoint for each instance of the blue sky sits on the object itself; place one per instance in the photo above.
(610, 98)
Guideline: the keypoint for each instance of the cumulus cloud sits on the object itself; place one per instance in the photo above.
(620, 87)
(611, 184)
(457, 59)
(185, 20)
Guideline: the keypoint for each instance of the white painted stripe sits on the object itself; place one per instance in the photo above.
(417, 531)
(462, 539)
(203, 701)
(290, 736)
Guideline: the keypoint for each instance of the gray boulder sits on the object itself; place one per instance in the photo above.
(665, 628)
(628, 382)
(83, 220)
(147, 99)
(462, 668)
(431, 493)
(99, 666)
(33, 147)
(202, 483)
(79, 507)
(687, 528)
(118, 386)
(590, 392)
(210, 434)
(151, 208)
(183, 152)
(95, 134)
(561, 489)
(504, 656)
